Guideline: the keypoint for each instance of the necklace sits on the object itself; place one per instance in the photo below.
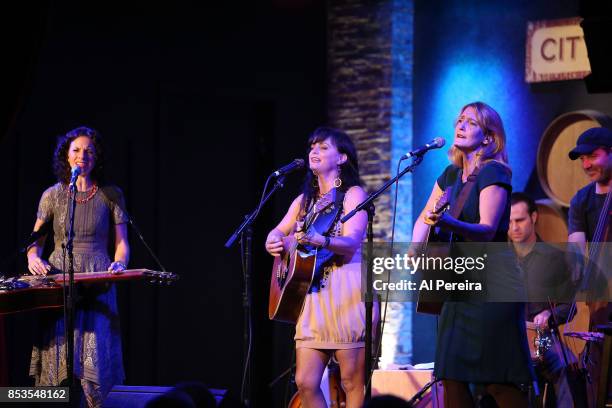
(92, 193)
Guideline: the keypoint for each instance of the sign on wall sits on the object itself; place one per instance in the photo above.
(556, 51)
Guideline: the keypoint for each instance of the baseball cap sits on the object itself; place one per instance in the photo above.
(590, 140)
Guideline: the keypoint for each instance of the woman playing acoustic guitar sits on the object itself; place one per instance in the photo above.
(332, 320)
(479, 342)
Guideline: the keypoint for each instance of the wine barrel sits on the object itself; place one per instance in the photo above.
(559, 176)
(552, 221)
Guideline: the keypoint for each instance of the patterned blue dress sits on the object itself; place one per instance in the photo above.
(98, 360)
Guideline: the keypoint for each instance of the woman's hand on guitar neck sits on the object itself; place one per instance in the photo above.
(431, 218)
(436, 218)
(274, 243)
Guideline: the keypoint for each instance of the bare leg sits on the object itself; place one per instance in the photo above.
(352, 373)
(457, 394)
(310, 364)
(507, 395)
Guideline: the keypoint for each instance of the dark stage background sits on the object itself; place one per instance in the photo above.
(197, 104)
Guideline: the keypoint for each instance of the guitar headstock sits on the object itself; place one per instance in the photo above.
(161, 278)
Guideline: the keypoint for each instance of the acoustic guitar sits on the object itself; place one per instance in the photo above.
(292, 275)
(293, 271)
(429, 302)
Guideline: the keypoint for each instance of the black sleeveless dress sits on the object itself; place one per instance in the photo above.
(480, 341)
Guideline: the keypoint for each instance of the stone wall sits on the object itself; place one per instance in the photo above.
(370, 97)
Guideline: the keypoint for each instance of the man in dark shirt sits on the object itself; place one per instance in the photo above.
(594, 149)
(549, 289)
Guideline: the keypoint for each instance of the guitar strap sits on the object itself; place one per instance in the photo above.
(458, 205)
(324, 224)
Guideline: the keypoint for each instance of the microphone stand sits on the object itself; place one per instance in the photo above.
(136, 229)
(245, 231)
(155, 258)
(70, 299)
(33, 237)
(419, 395)
(281, 375)
(369, 296)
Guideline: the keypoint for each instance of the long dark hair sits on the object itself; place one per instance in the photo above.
(61, 168)
(349, 170)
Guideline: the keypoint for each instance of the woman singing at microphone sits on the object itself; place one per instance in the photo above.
(332, 321)
(97, 343)
(480, 342)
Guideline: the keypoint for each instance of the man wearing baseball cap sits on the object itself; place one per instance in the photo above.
(594, 149)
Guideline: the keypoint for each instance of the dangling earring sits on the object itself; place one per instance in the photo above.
(338, 180)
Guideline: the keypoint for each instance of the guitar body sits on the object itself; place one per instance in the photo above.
(292, 275)
(438, 244)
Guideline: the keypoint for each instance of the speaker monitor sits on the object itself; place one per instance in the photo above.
(126, 396)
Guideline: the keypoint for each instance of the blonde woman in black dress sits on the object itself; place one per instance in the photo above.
(478, 342)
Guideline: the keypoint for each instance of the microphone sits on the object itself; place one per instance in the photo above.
(294, 165)
(437, 143)
(74, 173)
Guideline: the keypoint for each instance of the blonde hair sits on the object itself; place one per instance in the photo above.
(491, 125)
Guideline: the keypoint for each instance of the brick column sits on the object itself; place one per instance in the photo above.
(370, 97)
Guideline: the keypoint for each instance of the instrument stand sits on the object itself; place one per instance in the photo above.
(245, 231)
(369, 297)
